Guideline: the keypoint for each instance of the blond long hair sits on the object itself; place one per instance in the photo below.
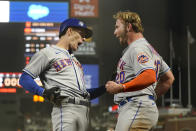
(132, 18)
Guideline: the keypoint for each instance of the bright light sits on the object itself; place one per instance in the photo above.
(4, 11)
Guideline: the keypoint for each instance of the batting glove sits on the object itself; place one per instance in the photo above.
(52, 94)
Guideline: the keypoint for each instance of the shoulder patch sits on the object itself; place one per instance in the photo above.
(142, 58)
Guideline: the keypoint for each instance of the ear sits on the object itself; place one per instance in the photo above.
(129, 27)
(69, 31)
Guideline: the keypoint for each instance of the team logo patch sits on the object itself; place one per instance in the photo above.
(142, 58)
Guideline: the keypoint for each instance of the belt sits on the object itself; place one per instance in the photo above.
(128, 99)
(76, 101)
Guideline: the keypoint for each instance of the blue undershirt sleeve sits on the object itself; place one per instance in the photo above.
(96, 92)
(28, 83)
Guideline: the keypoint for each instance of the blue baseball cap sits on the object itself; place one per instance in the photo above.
(73, 22)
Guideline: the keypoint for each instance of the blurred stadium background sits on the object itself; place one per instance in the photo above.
(28, 26)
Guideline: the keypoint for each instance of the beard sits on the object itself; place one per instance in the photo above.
(123, 37)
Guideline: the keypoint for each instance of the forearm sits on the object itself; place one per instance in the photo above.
(28, 83)
(162, 87)
(164, 83)
(96, 92)
(142, 81)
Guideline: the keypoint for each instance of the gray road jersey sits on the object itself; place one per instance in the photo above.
(137, 57)
(57, 68)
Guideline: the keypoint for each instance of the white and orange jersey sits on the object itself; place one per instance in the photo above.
(137, 57)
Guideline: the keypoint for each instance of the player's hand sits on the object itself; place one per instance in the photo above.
(52, 94)
(113, 88)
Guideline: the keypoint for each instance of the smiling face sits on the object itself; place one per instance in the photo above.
(120, 31)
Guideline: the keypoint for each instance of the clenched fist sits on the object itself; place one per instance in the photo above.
(113, 88)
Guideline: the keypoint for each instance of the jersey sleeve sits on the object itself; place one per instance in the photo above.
(37, 64)
(141, 60)
(163, 68)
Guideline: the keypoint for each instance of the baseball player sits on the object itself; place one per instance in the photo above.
(62, 77)
(142, 76)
